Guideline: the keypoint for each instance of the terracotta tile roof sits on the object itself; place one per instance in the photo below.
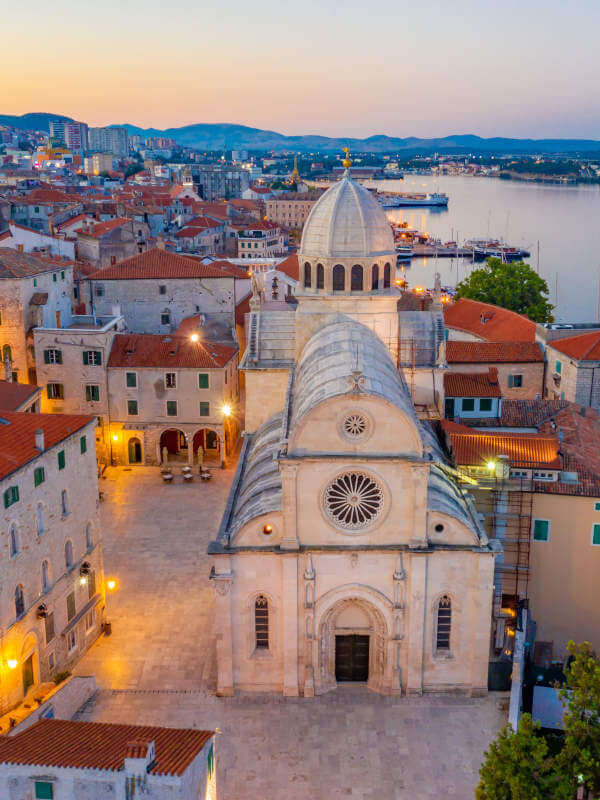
(95, 230)
(14, 395)
(101, 745)
(157, 263)
(524, 450)
(579, 428)
(261, 189)
(157, 350)
(584, 347)
(521, 414)
(14, 264)
(290, 267)
(50, 196)
(241, 309)
(17, 438)
(78, 218)
(489, 322)
(472, 384)
(493, 352)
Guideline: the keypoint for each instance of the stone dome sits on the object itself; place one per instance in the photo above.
(347, 222)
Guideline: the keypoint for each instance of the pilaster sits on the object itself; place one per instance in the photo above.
(290, 625)
(417, 622)
(222, 583)
(289, 473)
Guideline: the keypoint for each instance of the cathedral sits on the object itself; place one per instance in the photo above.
(347, 551)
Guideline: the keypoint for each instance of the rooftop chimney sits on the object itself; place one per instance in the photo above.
(39, 440)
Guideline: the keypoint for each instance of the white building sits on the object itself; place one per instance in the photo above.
(347, 552)
(51, 572)
(64, 760)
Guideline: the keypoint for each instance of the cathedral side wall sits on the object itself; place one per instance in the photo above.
(265, 396)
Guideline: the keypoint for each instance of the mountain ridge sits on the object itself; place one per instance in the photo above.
(219, 136)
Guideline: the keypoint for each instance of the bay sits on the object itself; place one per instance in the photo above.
(564, 219)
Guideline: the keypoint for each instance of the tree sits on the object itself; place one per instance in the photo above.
(517, 766)
(514, 286)
(579, 760)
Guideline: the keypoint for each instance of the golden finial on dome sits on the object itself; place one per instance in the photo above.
(346, 162)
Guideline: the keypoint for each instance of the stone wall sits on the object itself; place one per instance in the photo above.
(533, 378)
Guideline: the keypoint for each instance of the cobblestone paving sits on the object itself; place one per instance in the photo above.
(158, 667)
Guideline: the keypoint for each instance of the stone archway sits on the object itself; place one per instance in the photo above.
(212, 446)
(173, 443)
(352, 616)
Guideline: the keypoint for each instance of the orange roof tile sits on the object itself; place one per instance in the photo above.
(290, 267)
(101, 745)
(158, 351)
(98, 229)
(14, 395)
(473, 448)
(489, 322)
(17, 435)
(472, 384)
(14, 264)
(157, 263)
(584, 347)
(492, 352)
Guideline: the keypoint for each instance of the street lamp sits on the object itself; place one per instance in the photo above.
(194, 337)
(226, 409)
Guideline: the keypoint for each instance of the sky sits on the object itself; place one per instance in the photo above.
(518, 68)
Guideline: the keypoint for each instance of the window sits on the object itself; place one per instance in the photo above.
(132, 408)
(165, 319)
(68, 554)
(62, 275)
(203, 380)
(541, 530)
(204, 409)
(320, 277)
(45, 576)
(131, 380)
(468, 404)
(55, 391)
(51, 669)
(444, 623)
(171, 408)
(596, 534)
(91, 584)
(339, 278)
(44, 790)
(171, 380)
(70, 606)
(13, 541)
(540, 475)
(38, 476)
(162, 289)
(53, 356)
(374, 277)
(83, 444)
(19, 601)
(92, 358)
(485, 404)
(49, 626)
(99, 290)
(596, 506)
(356, 278)
(516, 381)
(558, 368)
(11, 495)
(71, 641)
(54, 276)
(89, 621)
(89, 536)
(386, 276)
(61, 459)
(307, 275)
(40, 519)
(261, 622)
(92, 392)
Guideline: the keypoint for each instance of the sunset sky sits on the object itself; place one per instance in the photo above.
(428, 68)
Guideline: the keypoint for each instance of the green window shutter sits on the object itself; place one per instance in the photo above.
(558, 367)
(46, 356)
(83, 444)
(131, 379)
(44, 790)
(468, 404)
(59, 356)
(596, 534)
(596, 506)
(38, 476)
(99, 358)
(15, 494)
(85, 357)
(204, 409)
(171, 408)
(54, 277)
(541, 529)
(203, 380)
(61, 459)
(132, 408)
(485, 404)
(7, 498)
(511, 381)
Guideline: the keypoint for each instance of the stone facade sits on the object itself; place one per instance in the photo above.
(47, 537)
(290, 212)
(532, 378)
(118, 243)
(571, 379)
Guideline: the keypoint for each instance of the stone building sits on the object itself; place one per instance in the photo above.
(64, 760)
(172, 395)
(573, 369)
(105, 243)
(51, 572)
(259, 240)
(157, 290)
(347, 552)
(33, 291)
(291, 210)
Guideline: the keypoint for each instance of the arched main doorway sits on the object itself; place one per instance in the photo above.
(211, 445)
(173, 443)
(134, 450)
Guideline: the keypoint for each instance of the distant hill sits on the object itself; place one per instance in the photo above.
(225, 136)
(38, 121)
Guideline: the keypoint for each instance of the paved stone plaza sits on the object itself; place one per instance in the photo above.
(158, 667)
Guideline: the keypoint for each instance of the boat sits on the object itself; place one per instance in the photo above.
(404, 251)
(414, 200)
(483, 249)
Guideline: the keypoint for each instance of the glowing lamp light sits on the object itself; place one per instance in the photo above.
(510, 632)
(268, 530)
(111, 584)
(491, 465)
(419, 290)
(194, 337)
(12, 663)
(115, 437)
(226, 409)
(83, 580)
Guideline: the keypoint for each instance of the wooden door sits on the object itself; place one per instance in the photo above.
(352, 658)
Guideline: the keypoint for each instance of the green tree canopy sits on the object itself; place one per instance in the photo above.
(517, 766)
(513, 285)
